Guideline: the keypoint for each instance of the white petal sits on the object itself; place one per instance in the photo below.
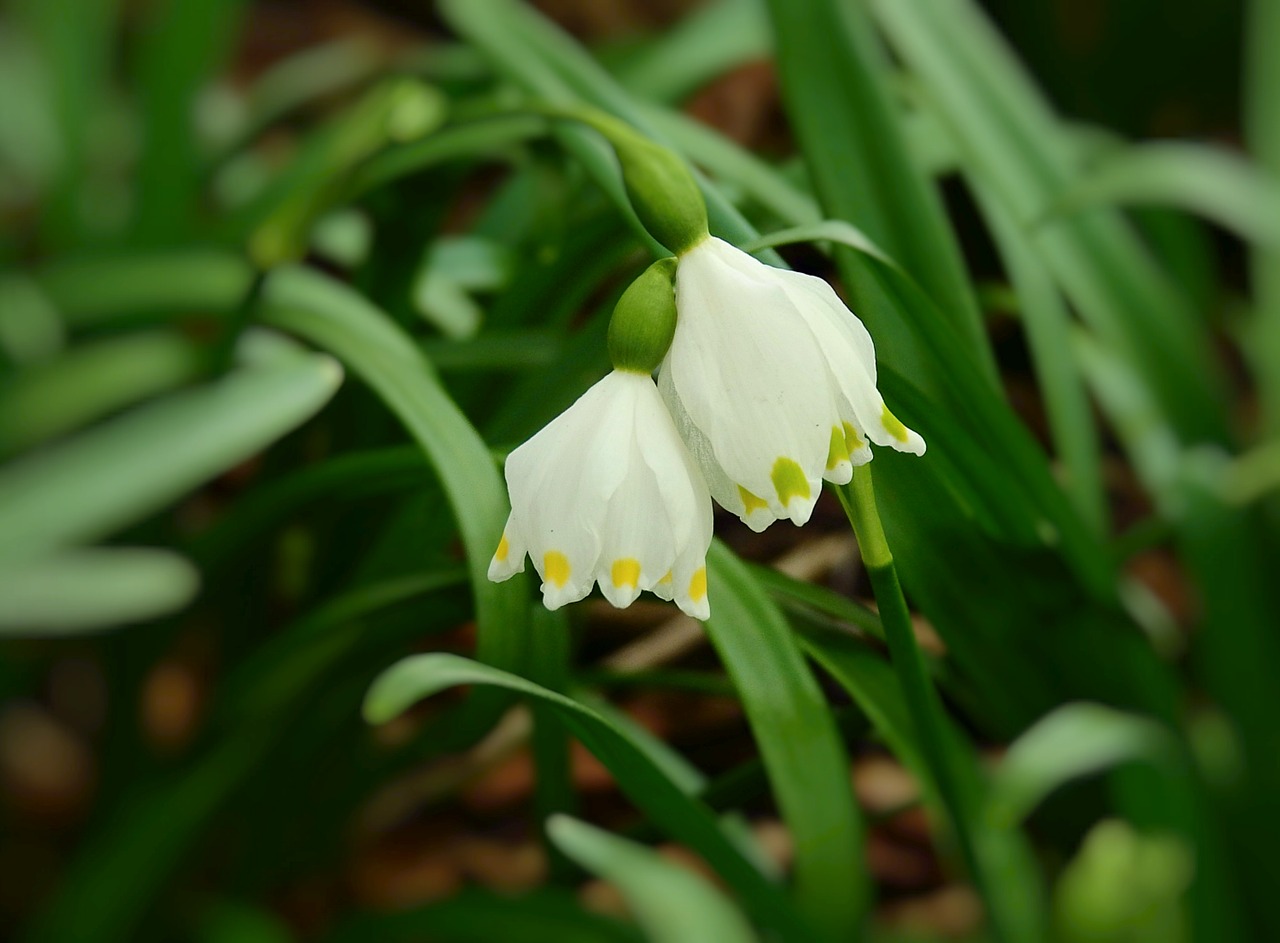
(508, 559)
(560, 483)
(742, 365)
(850, 357)
(637, 543)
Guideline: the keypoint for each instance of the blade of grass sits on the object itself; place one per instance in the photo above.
(802, 751)
(553, 792)
(673, 904)
(91, 291)
(76, 39)
(1046, 321)
(89, 381)
(1212, 182)
(1229, 552)
(125, 862)
(686, 776)
(93, 589)
(705, 44)
(181, 43)
(1009, 139)
(684, 819)
(835, 79)
(117, 473)
(1074, 741)
(334, 317)
(1262, 130)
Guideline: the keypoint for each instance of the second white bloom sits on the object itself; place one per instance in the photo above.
(772, 383)
(607, 493)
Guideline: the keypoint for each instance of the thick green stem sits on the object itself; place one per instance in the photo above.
(927, 715)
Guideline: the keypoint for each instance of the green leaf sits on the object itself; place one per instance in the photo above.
(1048, 323)
(30, 326)
(869, 679)
(93, 589)
(123, 470)
(137, 285)
(788, 590)
(831, 230)
(335, 317)
(683, 818)
(91, 380)
(1262, 129)
(805, 759)
(708, 42)
(830, 63)
(181, 43)
(673, 904)
(1072, 742)
(1010, 141)
(76, 40)
(1215, 183)
(1009, 874)
(123, 865)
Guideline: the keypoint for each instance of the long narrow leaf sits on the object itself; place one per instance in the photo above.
(119, 472)
(673, 904)
(685, 819)
(92, 589)
(335, 317)
(803, 755)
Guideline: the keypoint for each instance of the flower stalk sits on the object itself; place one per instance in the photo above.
(923, 702)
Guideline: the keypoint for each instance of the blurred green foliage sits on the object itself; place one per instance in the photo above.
(269, 318)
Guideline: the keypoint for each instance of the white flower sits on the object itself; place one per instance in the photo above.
(607, 493)
(772, 383)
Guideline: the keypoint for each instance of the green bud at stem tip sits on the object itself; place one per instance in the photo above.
(644, 320)
(659, 184)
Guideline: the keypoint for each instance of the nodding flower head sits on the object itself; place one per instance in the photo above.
(608, 494)
(771, 381)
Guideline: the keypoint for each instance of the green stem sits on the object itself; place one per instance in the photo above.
(923, 702)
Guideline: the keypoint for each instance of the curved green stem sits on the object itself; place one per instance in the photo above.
(923, 702)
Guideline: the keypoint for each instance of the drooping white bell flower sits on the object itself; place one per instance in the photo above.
(608, 493)
(772, 383)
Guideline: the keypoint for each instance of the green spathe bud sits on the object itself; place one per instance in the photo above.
(662, 191)
(644, 320)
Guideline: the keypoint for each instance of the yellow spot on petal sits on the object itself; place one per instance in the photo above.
(838, 452)
(788, 477)
(626, 572)
(751, 502)
(853, 439)
(504, 548)
(556, 566)
(893, 425)
(666, 579)
(698, 584)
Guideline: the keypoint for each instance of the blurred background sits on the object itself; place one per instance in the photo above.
(182, 754)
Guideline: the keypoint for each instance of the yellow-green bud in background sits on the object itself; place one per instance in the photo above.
(644, 320)
(662, 191)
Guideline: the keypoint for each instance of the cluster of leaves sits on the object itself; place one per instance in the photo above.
(181, 299)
